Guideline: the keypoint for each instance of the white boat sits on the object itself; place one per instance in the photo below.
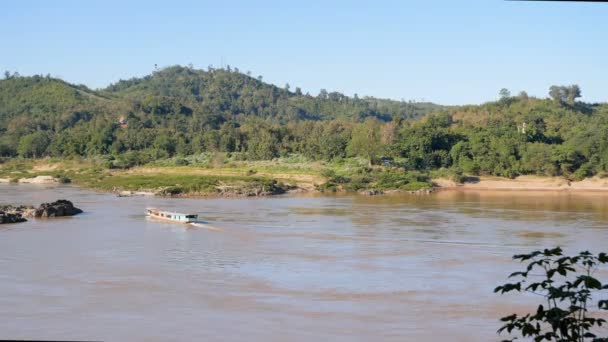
(171, 216)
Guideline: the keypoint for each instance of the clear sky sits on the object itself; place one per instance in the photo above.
(445, 51)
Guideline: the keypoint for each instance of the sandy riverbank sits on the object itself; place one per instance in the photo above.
(33, 180)
(525, 183)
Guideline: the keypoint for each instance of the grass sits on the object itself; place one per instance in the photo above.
(222, 173)
(355, 175)
(186, 184)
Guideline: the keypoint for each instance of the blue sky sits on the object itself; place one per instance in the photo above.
(446, 51)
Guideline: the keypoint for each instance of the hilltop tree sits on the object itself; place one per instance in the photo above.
(504, 93)
(323, 94)
(523, 95)
(573, 92)
(565, 94)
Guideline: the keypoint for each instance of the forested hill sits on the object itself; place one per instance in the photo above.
(230, 93)
(180, 111)
(179, 103)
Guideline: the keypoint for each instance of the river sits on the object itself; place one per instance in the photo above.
(287, 268)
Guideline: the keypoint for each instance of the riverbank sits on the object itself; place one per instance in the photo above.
(225, 179)
(523, 183)
(266, 178)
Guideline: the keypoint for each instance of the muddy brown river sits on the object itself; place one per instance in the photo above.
(305, 268)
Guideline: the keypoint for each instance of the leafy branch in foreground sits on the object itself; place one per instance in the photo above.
(567, 284)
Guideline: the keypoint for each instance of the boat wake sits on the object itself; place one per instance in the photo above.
(205, 225)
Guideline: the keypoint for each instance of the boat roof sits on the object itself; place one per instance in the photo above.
(168, 212)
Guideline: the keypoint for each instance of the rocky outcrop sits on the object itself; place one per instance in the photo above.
(11, 217)
(12, 214)
(54, 209)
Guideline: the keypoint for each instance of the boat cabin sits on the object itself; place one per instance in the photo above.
(171, 216)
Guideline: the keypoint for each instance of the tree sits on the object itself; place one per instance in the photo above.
(567, 284)
(323, 94)
(504, 93)
(565, 94)
(572, 93)
(388, 133)
(6, 149)
(557, 94)
(33, 145)
(166, 143)
(365, 141)
(262, 144)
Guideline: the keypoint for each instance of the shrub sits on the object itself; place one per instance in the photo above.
(327, 187)
(328, 173)
(566, 283)
(390, 180)
(458, 176)
(358, 183)
(181, 162)
(586, 170)
(413, 186)
(340, 179)
(172, 191)
(63, 179)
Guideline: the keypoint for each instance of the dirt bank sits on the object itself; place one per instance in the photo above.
(524, 183)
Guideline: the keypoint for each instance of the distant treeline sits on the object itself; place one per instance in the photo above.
(182, 111)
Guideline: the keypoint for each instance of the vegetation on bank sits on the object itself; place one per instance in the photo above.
(206, 176)
(224, 119)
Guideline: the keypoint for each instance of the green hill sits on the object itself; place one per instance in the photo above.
(180, 111)
(174, 110)
(230, 93)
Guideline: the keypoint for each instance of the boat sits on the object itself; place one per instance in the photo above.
(171, 216)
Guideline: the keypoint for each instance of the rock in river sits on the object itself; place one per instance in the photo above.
(13, 214)
(57, 208)
(11, 217)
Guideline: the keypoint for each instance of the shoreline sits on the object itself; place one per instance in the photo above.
(524, 184)
(482, 184)
(227, 182)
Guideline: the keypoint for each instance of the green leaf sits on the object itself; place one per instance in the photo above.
(515, 274)
(592, 283)
(509, 318)
(540, 312)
